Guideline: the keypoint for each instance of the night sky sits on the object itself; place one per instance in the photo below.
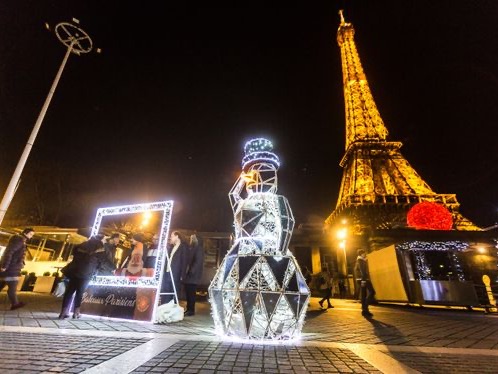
(164, 111)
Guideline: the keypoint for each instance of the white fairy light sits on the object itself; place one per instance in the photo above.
(419, 248)
(259, 292)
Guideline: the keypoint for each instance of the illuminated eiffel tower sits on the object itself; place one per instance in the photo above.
(378, 186)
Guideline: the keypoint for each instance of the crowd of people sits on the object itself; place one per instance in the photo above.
(328, 285)
(181, 275)
(98, 256)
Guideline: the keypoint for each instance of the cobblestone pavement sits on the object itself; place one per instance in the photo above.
(398, 339)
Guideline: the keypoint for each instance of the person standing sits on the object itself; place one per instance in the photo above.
(362, 276)
(136, 263)
(194, 260)
(342, 289)
(150, 256)
(307, 275)
(175, 268)
(326, 282)
(87, 257)
(11, 264)
(109, 266)
(111, 245)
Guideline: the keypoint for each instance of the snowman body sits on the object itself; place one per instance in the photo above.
(259, 291)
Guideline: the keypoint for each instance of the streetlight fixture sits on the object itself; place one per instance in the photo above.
(78, 42)
(342, 235)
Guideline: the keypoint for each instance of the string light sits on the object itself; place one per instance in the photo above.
(259, 291)
(259, 150)
(419, 249)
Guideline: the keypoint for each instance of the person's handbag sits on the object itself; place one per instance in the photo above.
(60, 289)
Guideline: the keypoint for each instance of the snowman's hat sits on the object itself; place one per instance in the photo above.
(259, 150)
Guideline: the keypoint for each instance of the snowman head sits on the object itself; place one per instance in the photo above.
(260, 166)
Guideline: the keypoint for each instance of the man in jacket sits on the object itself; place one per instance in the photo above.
(87, 257)
(193, 272)
(11, 264)
(362, 276)
(174, 270)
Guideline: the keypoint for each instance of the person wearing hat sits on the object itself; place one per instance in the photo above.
(11, 264)
(136, 263)
(87, 257)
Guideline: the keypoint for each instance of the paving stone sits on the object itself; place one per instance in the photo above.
(447, 363)
(290, 358)
(53, 353)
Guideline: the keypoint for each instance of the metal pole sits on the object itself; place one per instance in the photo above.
(9, 193)
(77, 41)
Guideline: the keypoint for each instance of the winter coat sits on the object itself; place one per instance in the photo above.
(13, 257)
(194, 265)
(361, 272)
(178, 263)
(87, 257)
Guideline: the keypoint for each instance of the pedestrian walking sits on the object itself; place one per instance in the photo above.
(87, 257)
(363, 282)
(326, 282)
(11, 263)
(193, 272)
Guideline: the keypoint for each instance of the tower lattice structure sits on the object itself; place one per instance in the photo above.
(378, 186)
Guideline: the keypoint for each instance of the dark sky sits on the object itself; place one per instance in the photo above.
(164, 111)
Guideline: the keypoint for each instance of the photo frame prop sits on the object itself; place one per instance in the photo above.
(132, 291)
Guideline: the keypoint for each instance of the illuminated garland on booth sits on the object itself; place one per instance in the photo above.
(418, 248)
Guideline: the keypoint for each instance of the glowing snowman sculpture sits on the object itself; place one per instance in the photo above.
(259, 291)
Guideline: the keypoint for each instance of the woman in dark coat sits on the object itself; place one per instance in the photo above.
(193, 272)
(87, 257)
(11, 264)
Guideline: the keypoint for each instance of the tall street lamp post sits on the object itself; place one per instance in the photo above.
(341, 235)
(78, 42)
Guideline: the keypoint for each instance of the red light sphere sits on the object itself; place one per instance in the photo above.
(429, 216)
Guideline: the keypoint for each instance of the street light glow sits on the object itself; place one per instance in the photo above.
(342, 233)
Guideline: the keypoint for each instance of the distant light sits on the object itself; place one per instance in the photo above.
(481, 249)
(342, 233)
(75, 20)
(344, 221)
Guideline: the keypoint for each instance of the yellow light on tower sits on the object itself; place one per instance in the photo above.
(342, 233)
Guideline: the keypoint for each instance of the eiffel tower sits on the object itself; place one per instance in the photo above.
(378, 186)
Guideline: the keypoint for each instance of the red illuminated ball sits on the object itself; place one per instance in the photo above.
(429, 216)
